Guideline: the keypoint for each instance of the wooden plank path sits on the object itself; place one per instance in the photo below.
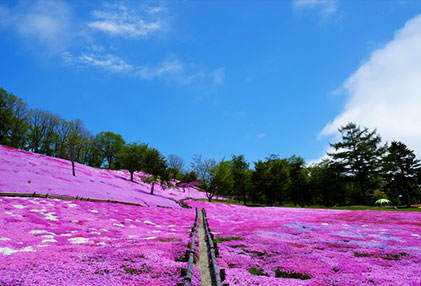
(191, 252)
(216, 275)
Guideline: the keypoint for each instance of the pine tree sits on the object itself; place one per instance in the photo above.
(401, 169)
(358, 157)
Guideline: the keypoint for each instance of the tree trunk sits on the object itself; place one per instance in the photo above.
(131, 176)
(408, 198)
(153, 185)
(244, 198)
(73, 167)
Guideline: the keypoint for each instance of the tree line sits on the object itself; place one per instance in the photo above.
(359, 169)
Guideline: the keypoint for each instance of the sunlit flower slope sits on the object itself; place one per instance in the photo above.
(26, 172)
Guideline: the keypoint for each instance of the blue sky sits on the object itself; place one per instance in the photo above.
(219, 77)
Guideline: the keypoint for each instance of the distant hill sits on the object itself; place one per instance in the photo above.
(27, 172)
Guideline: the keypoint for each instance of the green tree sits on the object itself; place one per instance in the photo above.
(327, 184)
(50, 137)
(37, 129)
(222, 180)
(154, 163)
(62, 132)
(358, 157)
(74, 143)
(401, 169)
(6, 115)
(13, 120)
(270, 180)
(175, 166)
(110, 145)
(131, 157)
(299, 179)
(204, 169)
(19, 124)
(241, 177)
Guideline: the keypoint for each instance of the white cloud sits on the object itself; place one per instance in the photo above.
(103, 61)
(327, 7)
(120, 20)
(43, 23)
(184, 74)
(385, 91)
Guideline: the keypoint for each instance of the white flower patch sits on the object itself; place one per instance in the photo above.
(66, 234)
(138, 220)
(57, 200)
(149, 222)
(133, 236)
(414, 234)
(20, 242)
(106, 230)
(72, 205)
(132, 226)
(173, 229)
(75, 221)
(36, 232)
(73, 231)
(34, 202)
(95, 232)
(43, 245)
(9, 251)
(364, 225)
(325, 223)
(50, 205)
(113, 219)
(9, 213)
(50, 216)
(151, 237)
(171, 225)
(78, 240)
(4, 239)
(94, 211)
(154, 231)
(158, 226)
(48, 240)
(18, 206)
(117, 224)
(344, 224)
(101, 243)
(128, 219)
(48, 236)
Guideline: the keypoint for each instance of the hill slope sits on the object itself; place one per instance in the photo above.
(26, 172)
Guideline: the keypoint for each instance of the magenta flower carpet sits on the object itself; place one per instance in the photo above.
(48, 241)
(288, 246)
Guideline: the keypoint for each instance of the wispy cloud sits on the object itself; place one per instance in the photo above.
(261, 135)
(51, 27)
(326, 7)
(106, 62)
(384, 92)
(185, 74)
(120, 20)
(43, 23)
(172, 70)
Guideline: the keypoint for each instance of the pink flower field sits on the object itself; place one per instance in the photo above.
(26, 172)
(288, 246)
(48, 241)
(59, 242)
